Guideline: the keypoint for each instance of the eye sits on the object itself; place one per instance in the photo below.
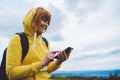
(45, 20)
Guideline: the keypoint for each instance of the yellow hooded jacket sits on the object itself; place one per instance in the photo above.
(31, 67)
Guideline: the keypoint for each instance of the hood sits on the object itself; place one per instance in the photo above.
(27, 22)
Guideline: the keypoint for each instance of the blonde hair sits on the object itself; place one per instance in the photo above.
(41, 13)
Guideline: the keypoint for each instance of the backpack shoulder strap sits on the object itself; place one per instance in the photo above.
(3, 75)
(24, 44)
(25, 47)
(45, 40)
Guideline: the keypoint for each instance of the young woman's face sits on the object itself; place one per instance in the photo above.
(42, 26)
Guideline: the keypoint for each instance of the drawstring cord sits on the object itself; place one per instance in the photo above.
(34, 43)
(40, 40)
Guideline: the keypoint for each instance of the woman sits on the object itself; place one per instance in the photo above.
(39, 61)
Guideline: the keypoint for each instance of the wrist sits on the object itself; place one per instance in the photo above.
(58, 62)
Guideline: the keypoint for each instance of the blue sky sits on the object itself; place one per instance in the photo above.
(91, 27)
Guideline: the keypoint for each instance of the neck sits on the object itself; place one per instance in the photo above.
(38, 33)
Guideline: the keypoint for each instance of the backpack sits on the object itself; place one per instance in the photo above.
(25, 47)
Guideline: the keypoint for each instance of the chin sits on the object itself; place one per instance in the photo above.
(43, 31)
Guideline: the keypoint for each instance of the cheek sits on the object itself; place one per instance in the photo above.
(38, 27)
(39, 24)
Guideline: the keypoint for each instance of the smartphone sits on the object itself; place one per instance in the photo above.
(66, 50)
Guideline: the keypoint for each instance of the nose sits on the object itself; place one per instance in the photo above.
(46, 23)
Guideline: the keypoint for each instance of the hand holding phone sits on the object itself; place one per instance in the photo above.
(66, 51)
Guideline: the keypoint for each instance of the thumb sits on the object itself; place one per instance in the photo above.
(55, 52)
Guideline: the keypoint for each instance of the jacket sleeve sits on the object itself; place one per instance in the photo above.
(14, 69)
(53, 66)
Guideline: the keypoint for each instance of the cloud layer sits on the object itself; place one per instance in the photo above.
(90, 27)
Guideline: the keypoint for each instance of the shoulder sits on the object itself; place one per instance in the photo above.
(14, 43)
(15, 39)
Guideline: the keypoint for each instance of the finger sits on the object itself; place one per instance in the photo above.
(51, 60)
(55, 52)
(60, 56)
(65, 55)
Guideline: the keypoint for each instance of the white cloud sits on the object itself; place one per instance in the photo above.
(80, 31)
(95, 27)
(87, 25)
(93, 63)
(82, 53)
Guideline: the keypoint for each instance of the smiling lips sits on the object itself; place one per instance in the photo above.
(43, 28)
